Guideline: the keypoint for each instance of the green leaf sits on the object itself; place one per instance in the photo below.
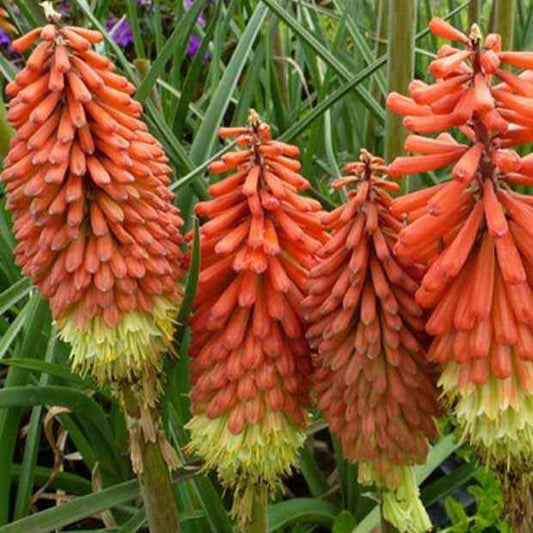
(456, 512)
(438, 453)
(206, 134)
(71, 512)
(314, 477)
(31, 445)
(327, 56)
(87, 411)
(13, 294)
(445, 485)
(16, 379)
(134, 21)
(334, 97)
(31, 11)
(7, 70)
(345, 522)
(158, 67)
(307, 510)
(191, 284)
(135, 523)
(199, 170)
(14, 328)
(193, 73)
(51, 369)
(71, 483)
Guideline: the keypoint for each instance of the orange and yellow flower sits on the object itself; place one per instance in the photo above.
(251, 364)
(474, 234)
(374, 385)
(87, 186)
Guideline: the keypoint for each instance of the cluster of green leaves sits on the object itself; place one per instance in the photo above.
(314, 71)
(489, 506)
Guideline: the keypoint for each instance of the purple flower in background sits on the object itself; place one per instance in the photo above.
(5, 39)
(201, 19)
(194, 44)
(194, 40)
(5, 43)
(65, 8)
(120, 30)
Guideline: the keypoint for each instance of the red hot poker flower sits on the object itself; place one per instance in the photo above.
(374, 385)
(250, 360)
(87, 186)
(474, 235)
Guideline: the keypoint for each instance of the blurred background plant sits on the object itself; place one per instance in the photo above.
(315, 70)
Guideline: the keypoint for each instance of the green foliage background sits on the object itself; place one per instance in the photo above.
(315, 72)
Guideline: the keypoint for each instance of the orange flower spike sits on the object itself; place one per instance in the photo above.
(428, 94)
(521, 86)
(445, 66)
(474, 235)
(357, 291)
(251, 364)
(429, 123)
(114, 291)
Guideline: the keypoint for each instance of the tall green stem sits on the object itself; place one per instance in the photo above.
(157, 491)
(379, 50)
(156, 485)
(259, 521)
(474, 12)
(400, 69)
(504, 14)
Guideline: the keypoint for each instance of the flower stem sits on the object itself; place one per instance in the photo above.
(474, 12)
(150, 466)
(259, 521)
(400, 69)
(379, 49)
(157, 490)
(504, 13)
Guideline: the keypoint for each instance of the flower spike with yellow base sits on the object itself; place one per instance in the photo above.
(474, 233)
(374, 385)
(251, 363)
(97, 231)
